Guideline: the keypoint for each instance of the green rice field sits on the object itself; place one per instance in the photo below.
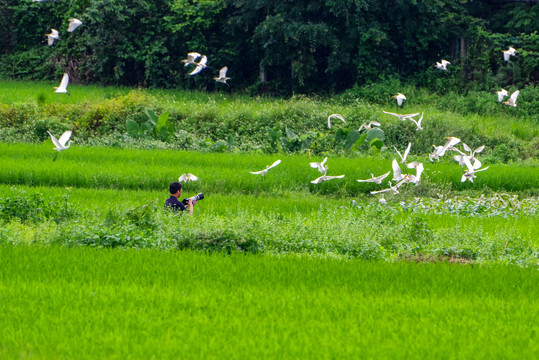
(86, 303)
(266, 267)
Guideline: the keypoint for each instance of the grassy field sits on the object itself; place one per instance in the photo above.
(86, 303)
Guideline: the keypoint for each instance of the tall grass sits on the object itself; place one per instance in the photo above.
(82, 303)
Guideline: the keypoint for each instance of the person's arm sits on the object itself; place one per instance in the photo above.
(191, 203)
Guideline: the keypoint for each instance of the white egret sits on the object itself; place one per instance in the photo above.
(368, 126)
(52, 36)
(508, 53)
(326, 178)
(470, 173)
(501, 94)
(335, 116)
(382, 200)
(191, 59)
(401, 117)
(406, 152)
(418, 122)
(377, 179)
(513, 99)
(397, 173)
(60, 144)
(419, 168)
(265, 171)
(442, 65)
(395, 189)
(73, 24)
(320, 166)
(63, 85)
(187, 177)
(400, 97)
(201, 65)
(222, 76)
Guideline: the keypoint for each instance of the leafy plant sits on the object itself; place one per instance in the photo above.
(159, 127)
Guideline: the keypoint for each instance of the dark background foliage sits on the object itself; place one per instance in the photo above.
(276, 47)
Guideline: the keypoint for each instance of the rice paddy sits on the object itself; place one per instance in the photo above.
(267, 267)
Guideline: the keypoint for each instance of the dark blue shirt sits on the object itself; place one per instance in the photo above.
(174, 204)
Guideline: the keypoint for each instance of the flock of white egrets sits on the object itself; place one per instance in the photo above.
(467, 158)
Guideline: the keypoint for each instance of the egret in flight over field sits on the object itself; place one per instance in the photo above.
(187, 177)
(73, 24)
(470, 173)
(326, 178)
(395, 189)
(419, 168)
(60, 144)
(418, 122)
(501, 94)
(406, 152)
(513, 99)
(442, 65)
(440, 150)
(63, 85)
(265, 171)
(52, 36)
(191, 59)
(222, 76)
(320, 166)
(508, 53)
(368, 126)
(335, 116)
(201, 65)
(401, 117)
(400, 97)
(397, 173)
(377, 179)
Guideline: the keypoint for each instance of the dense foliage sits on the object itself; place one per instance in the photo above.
(295, 46)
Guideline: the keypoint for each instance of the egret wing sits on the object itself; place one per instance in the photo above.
(222, 72)
(192, 177)
(65, 137)
(397, 175)
(64, 82)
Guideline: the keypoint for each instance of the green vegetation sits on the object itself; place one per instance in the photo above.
(87, 304)
(233, 123)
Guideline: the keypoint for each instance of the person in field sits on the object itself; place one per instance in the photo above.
(173, 203)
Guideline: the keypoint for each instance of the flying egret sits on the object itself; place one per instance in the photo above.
(434, 155)
(401, 117)
(395, 189)
(470, 174)
(60, 144)
(508, 53)
(63, 85)
(442, 65)
(368, 126)
(191, 58)
(73, 24)
(201, 65)
(320, 166)
(265, 171)
(337, 116)
(187, 177)
(501, 94)
(397, 173)
(403, 157)
(418, 122)
(513, 99)
(326, 178)
(400, 97)
(52, 36)
(377, 179)
(222, 76)
(419, 168)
